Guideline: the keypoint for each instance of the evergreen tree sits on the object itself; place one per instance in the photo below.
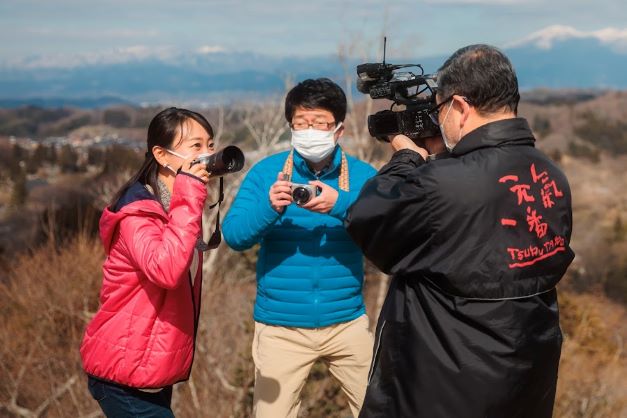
(37, 159)
(19, 192)
(67, 159)
(618, 229)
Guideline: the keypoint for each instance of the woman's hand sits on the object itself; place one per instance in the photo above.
(197, 170)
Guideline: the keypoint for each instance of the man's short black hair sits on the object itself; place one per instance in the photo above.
(484, 75)
(320, 93)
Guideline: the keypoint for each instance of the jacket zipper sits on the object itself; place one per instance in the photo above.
(316, 310)
(316, 282)
(196, 316)
(376, 352)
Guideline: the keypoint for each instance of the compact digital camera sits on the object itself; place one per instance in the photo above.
(303, 193)
(413, 95)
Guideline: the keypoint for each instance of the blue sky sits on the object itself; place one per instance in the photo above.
(62, 29)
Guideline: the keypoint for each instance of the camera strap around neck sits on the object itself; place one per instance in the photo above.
(343, 179)
(216, 236)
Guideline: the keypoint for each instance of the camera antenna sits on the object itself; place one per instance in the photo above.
(385, 39)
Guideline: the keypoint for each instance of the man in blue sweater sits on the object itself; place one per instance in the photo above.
(309, 303)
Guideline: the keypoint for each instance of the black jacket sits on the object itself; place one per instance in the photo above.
(476, 244)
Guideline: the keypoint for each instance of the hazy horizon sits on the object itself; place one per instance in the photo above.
(72, 30)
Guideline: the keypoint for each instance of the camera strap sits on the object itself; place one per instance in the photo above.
(216, 236)
(343, 179)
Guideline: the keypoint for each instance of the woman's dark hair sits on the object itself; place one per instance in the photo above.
(162, 131)
(320, 93)
(484, 75)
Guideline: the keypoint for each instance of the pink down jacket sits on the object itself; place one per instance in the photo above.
(143, 334)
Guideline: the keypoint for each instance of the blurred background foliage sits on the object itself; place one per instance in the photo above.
(53, 188)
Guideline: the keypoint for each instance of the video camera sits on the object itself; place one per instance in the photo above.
(414, 92)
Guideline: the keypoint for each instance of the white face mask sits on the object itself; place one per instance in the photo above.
(314, 145)
(184, 157)
(447, 143)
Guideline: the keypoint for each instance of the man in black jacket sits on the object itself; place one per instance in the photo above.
(475, 243)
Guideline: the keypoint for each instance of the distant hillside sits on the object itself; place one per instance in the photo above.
(576, 63)
(583, 132)
(51, 102)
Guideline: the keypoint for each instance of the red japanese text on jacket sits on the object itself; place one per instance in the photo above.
(534, 198)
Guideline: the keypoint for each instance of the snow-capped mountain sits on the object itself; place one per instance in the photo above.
(551, 36)
(564, 57)
(555, 57)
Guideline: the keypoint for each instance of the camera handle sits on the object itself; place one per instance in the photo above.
(216, 236)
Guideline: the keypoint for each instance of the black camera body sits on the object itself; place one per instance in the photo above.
(414, 93)
(224, 161)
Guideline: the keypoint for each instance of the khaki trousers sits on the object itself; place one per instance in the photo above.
(283, 357)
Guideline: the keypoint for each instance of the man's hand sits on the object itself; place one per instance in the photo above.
(435, 144)
(400, 142)
(325, 201)
(280, 194)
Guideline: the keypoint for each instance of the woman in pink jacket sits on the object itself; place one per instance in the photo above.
(141, 340)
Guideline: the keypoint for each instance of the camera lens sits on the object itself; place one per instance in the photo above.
(301, 195)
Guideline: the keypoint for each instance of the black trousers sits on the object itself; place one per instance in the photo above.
(124, 402)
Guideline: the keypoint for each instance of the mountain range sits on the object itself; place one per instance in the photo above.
(555, 58)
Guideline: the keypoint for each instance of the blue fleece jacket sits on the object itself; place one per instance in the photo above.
(309, 271)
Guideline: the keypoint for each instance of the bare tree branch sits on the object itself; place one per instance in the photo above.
(57, 393)
(18, 410)
(217, 134)
(225, 383)
(192, 389)
(95, 414)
